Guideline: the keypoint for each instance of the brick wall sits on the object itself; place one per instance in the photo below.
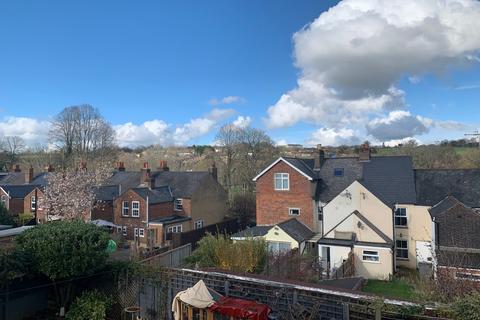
(104, 211)
(128, 221)
(273, 205)
(160, 210)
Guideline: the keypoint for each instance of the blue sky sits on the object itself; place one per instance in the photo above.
(165, 63)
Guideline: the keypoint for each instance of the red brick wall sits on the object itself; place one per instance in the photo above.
(103, 210)
(272, 205)
(160, 210)
(130, 222)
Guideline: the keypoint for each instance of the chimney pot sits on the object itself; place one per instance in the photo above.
(162, 165)
(364, 153)
(50, 168)
(17, 168)
(319, 158)
(120, 166)
(29, 175)
(213, 170)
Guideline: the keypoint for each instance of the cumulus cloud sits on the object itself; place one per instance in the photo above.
(397, 125)
(32, 131)
(159, 132)
(352, 56)
(225, 100)
(333, 137)
(242, 121)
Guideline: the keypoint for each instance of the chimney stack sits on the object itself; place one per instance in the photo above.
(162, 166)
(364, 153)
(145, 179)
(50, 168)
(83, 165)
(319, 157)
(120, 166)
(29, 175)
(213, 171)
(17, 168)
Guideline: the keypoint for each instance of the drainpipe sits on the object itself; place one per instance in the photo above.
(394, 260)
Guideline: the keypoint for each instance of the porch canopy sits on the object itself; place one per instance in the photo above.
(240, 308)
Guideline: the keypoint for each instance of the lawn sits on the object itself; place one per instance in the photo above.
(397, 288)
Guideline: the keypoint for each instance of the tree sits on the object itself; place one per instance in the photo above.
(228, 138)
(64, 250)
(13, 146)
(70, 193)
(5, 217)
(82, 133)
(91, 305)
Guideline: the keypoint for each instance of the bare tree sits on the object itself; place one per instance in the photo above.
(13, 146)
(70, 194)
(228, 138)
(82, 133)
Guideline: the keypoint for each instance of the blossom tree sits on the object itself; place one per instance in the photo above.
(70, 193)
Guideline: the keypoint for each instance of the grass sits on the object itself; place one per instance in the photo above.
(396, 288)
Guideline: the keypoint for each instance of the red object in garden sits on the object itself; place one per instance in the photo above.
(243, 309)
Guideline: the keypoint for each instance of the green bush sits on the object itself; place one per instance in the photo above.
(5, 217)
(220, 252)
(467, 307)
(91, 305)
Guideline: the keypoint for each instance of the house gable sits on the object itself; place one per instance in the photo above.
(357, 197)
(287, 162)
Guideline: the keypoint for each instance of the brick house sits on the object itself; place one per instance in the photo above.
(194, 200)
(456, 239)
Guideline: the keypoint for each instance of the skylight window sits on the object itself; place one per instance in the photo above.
(338, 172)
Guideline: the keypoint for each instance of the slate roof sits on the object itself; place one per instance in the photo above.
(19, 191)
(18, 178)
(125, 179)
(257, 231)
(296, 230)
(171, 219)
(157, 195)
(182, 183)
(433, 185)
(390, 178)
(446, 204)
(106, 193)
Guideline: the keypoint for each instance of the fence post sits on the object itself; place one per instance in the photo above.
(169, 300)
(346, 311)
(378, 313)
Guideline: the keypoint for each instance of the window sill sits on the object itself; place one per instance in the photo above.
(401, 227)
(368, 261)
(402, 259)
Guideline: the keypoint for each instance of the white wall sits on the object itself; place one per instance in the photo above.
(337, 254)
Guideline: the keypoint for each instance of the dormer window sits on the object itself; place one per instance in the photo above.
(338, 172)
(282, 181)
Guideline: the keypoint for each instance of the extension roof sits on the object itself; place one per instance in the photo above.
(170, 219)
(433, 185)
(106, 193)
(296, 230)
(256, 231)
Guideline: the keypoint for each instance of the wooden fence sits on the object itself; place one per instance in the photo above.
(282, 297)
(171, 258)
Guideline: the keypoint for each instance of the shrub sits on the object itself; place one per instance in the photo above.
(91, 305)
(467, 307)
(220, 252)
(5, 217)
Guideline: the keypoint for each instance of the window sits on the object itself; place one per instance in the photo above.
(135, 209)
(135, 232)
(125, 208)
(282, 181)
(119, 229)
(141, 233)
(294, 211)
(402, 249)
(33, 203)
(175, 229)
(179, 204)
(401, 217)
(124, 231)
(371, 256)
(338, 172)
(4, 200)
(199, 224)
(277, 247)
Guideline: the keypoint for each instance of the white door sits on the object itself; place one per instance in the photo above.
(424, 252)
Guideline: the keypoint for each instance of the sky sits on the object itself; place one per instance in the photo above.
(308, 72)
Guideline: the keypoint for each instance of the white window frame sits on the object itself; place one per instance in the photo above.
(124, 231)
(290, 210)
(178, 204)
(371, 254)
(141, 232)
(175, 229)
(135, 211)
(397, 249)
(127, 208)
(401, 216)
(33, 203)
(282, 177)
(199, 224)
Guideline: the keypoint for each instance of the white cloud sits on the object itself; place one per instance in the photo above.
(226, 100)
(333, 137)
(396, 142)
(396, 125)
(352, 56)
(242, 121)
(159, 132)
(32, 131)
